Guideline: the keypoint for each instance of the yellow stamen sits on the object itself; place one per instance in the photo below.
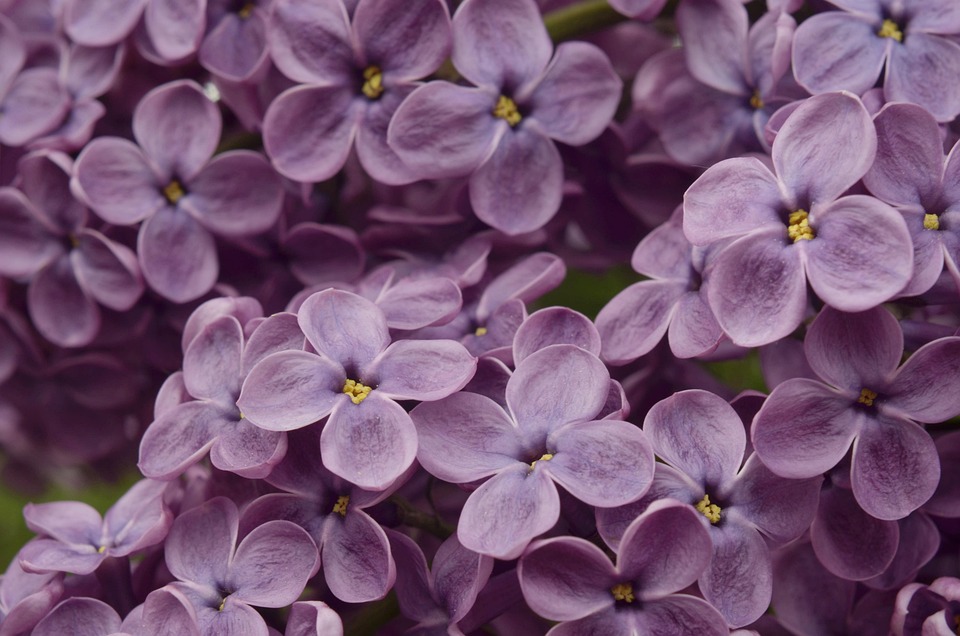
(867, 397)
(623, 592)
(74, 240)
(372, 82)
(481, 331)
(341, 506)
(101, 549)
(543, 458)
(222, 603)
(507, 109)
(756, 102)
(931, 222)
(173, 191)
(798, 228)
(709, 510)
(242, 416)
(357, 392)
(245, 12)
(889, 29)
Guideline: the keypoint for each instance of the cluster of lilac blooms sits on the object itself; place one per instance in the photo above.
(297, 263)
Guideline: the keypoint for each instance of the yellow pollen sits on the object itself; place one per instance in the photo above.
(756, 102)
(74, 240)
(481, 331)
(889, 29)
(341, 506)
(173, 191)
(931, 222)
(867, 397)
(798, 227)
(372, 82)
(623, 592)
(101, 549)
(245, 12)
(242, 416)
(357, 392)
(709, 510)
(507, 109)
(222, 603)
(543, 458)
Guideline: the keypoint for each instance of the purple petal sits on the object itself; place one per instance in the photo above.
(177, 127)
(248, 450)
(920, 72)
(566, 578)
(27, 245)
(805, 428)
(375, 155)
(237, 193)
(357, 561)
(167, 611)
(308, 131)
(60, 308)
(605, 463)
(409, 39)
(71, 522)
(243, 308)
(501, 517)
(323, 253)
(108, 271)
(345, 327)
(919, 542)
(116, 180)
(698, 433)
(272, 564)
(279, 332)
(808, 599)
(49, 555)
(824, 147)
(849, 542)
(35, 104)
(236, 47)
(414, 585)
(714, 34)
(945, 499)
(459, 575)
(413, 304)
(138, 519)
(895, 467)
(369, 444)
(101, 22)
(201, 542)
(554, 325)
(634, 321)
(443, 130)
(313, 618)
(851, 270)
(500, 43)
(211, 364)
(838, 51)
(236, 617)
(518, 189)
(739, 579)
(782, 509)
(79, 616)
(465, 437)
(578, 94)
(527, 280)
(179, 438)
(758, 289)
(12, 52)
(290, 389)
(909, 156)
(177, 255)
(310, 40)
(677, 613)
(694, 330)
(175, 27)
(917, 391)
(424, 370)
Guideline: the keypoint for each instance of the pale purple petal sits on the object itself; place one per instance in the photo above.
(61, 310)
(236, 617)
(694, 330)
(919, 542)
(416, 303)
(849, 542)
(101, 22)
(323, 253)
(921, 71)
(167, 612)
(414, 588)
(66, 521)
(201, 542)
(369, 444)
(782, 509)
(458, 576)
(909, 156)
(677, 614)
(236, 47)
(357, 561)
(895, 467)
(313, 618)
(279, 332)
(578, 94)
(634, 321)
(247, 450)
(211, 364)
(502, 516)
(310, 40)
(138, 519)
(116, 180)
(107, 270)
(79, 616)
(805, 428)
(500, 43)
(408, 39)
(178, 438)
(566, 578)
(527, 280)
(835, 50)
(424, 370)
(807, 598)
(26, 245)
(519, 188)
(375, 155)
(554, 325)
(308, 130)
(177, 255)
(12, 52)
(272, 564)
(714, 34)
(35, 104)
(739, 579)
(291, 389)
(918, 389)
(175, 27)
(345, 327)
(49, 555)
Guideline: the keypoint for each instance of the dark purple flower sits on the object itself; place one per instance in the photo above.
(927, 610)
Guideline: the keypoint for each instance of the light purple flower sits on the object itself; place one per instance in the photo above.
(235, 45)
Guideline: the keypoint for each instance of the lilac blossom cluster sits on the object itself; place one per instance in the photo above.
(302, 262)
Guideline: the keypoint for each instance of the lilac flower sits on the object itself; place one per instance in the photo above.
(25, 597)
(789, 227)
(546, 435)
(847, 49)
(81, 616)
(502, 131)
(235, 45)
(182, 195)
(313, 618)
(223, 580)
(927, 609)
(164, 612)
(77, 540)
(354, 74)
(806, 427)
(663, 551)
(701, 440)
(355, 377)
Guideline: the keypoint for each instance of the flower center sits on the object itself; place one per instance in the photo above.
(246, 10)
(357, 392)
(890, 29)
(623, 592)
(481, 331)
(543, 458)
(756, 102)
(931, 222)
(174, 192)
(372, 82)
(341, 506)
(101, 549)
(798, 227)
(867, 397)
(709, 510)
(506, 109)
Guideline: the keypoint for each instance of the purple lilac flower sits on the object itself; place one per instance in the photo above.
(806, 427)
(354, 75)
(789, 227)
(663, 551)
(223, 580)
(71, 268)
(313, 618)
(76, 539)
(171, 184)
(25, 597)
(235, 45)
(930, 610)
(910, 41)
(355, 376)
(165, 612)
(502, 130)
(746, 508)
(80, 616)
(547, 435)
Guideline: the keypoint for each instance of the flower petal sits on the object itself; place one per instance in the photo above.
(61, 310)
(178, 439)
(739, 579)
(290, 389)
(201, 542)
(175, 27)
(849, 542)
(424, 370)
(101, 22)
(554, 325)
(116, 180)
(918, 389)
(920, 72)
(108, 271)
(634, 321)
(566, 578)
(310, 40)
(835, 50)
(177, 255)
(345, 327)
(409, 39)
(272, 564)
(357, 560)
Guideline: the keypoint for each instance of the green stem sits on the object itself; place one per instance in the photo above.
(580, 19)
(414, 518)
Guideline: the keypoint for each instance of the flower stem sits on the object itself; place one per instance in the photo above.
(581, 18)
